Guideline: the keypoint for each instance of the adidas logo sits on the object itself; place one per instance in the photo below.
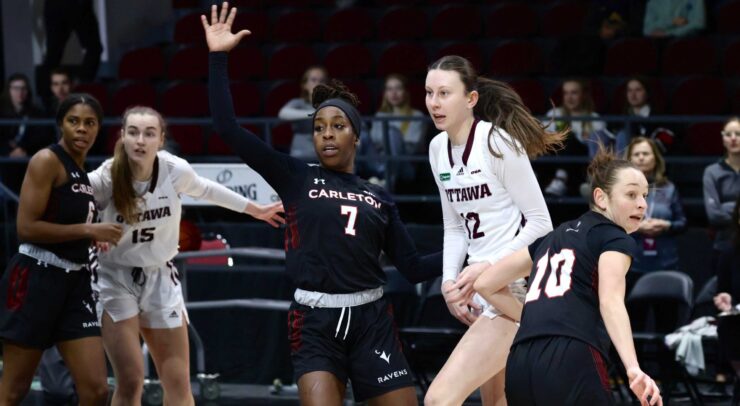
(461, 171)
(174, 315)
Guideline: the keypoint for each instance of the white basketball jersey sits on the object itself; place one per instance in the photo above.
(154, 238)
(476, 193)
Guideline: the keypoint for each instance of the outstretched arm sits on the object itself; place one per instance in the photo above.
(279, 170)
(613, 267)
(492, 284)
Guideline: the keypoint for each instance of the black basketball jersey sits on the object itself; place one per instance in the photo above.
(70, 203)
(563, 295)
(337, 223)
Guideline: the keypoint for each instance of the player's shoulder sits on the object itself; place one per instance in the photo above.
(438, 141)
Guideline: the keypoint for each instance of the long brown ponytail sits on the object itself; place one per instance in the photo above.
(499, 104)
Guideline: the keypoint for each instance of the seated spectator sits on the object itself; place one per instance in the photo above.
(298, 111)
(721, 188)
(638, 104)
(61, 86)
(657, 248)
(673, 18)
(585, 136)
(405, 136)
(20, 140)
(728, 288)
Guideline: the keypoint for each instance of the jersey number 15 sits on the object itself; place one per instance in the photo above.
(560, 263)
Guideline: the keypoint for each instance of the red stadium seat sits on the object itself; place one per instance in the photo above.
(189, 29)
(247, 100)
(207, 244)
(362, 91)
(631, 56)
(705, 138)
(185, 100)
(689, 56)
(246, 62)
(257, 22)
(142, 64)
(457, 22)
(280, 94)
(282, 136)
(731, 63)
(189, 63)
(290, 61)
(184, 3)
(469, 50)
(407, 58)
(564, 18)
(189, 137)
(133, 94)
(215, 145)
(728, 16)
(511, 20)
(349, 60)
(700, 95)
(516, 58)
(297, 26)
(532, 93)
(403, 23)
(111, 137)
(350, 24)
(96, 90)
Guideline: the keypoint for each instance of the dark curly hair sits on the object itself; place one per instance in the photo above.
(335, 89)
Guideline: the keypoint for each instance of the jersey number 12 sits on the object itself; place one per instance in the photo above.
(560, 263)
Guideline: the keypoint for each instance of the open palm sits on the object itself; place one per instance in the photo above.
(218, 33)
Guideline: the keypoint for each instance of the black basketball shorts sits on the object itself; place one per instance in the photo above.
(556, 370)
(360, 343)
(41, 304)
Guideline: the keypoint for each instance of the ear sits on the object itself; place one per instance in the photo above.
(601, 198)
(473, 99)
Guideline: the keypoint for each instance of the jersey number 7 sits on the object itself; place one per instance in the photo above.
(560, 263)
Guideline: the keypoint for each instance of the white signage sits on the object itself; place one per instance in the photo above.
(238, 177)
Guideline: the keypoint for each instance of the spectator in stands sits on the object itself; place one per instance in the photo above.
(664, 218)
(20, 140)
(60, 85)
(673, 18)
(584, 137)
(728, 286)
(405, 136)
(637, 103)
(17, 102)
(299, 110)
(61, 19)
(721, 188)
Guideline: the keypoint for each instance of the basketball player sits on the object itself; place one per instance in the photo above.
(491, 206)
(575, 302)
(340, 324)
(45, 296)
(138, 286)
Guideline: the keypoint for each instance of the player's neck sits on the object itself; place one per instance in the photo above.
(139, 172)
(459, 135)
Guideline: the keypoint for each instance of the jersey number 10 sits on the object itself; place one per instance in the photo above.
(560, 263)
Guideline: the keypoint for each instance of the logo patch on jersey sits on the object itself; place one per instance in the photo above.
(461, 171)
(385, 357)
(75, 175)
(444, 176)
(316, 181)
(574, 229)
(174, 315)
(475, 171)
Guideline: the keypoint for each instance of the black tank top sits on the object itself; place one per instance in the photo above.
(70, 203)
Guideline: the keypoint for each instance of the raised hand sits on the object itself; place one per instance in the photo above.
(218, 33)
